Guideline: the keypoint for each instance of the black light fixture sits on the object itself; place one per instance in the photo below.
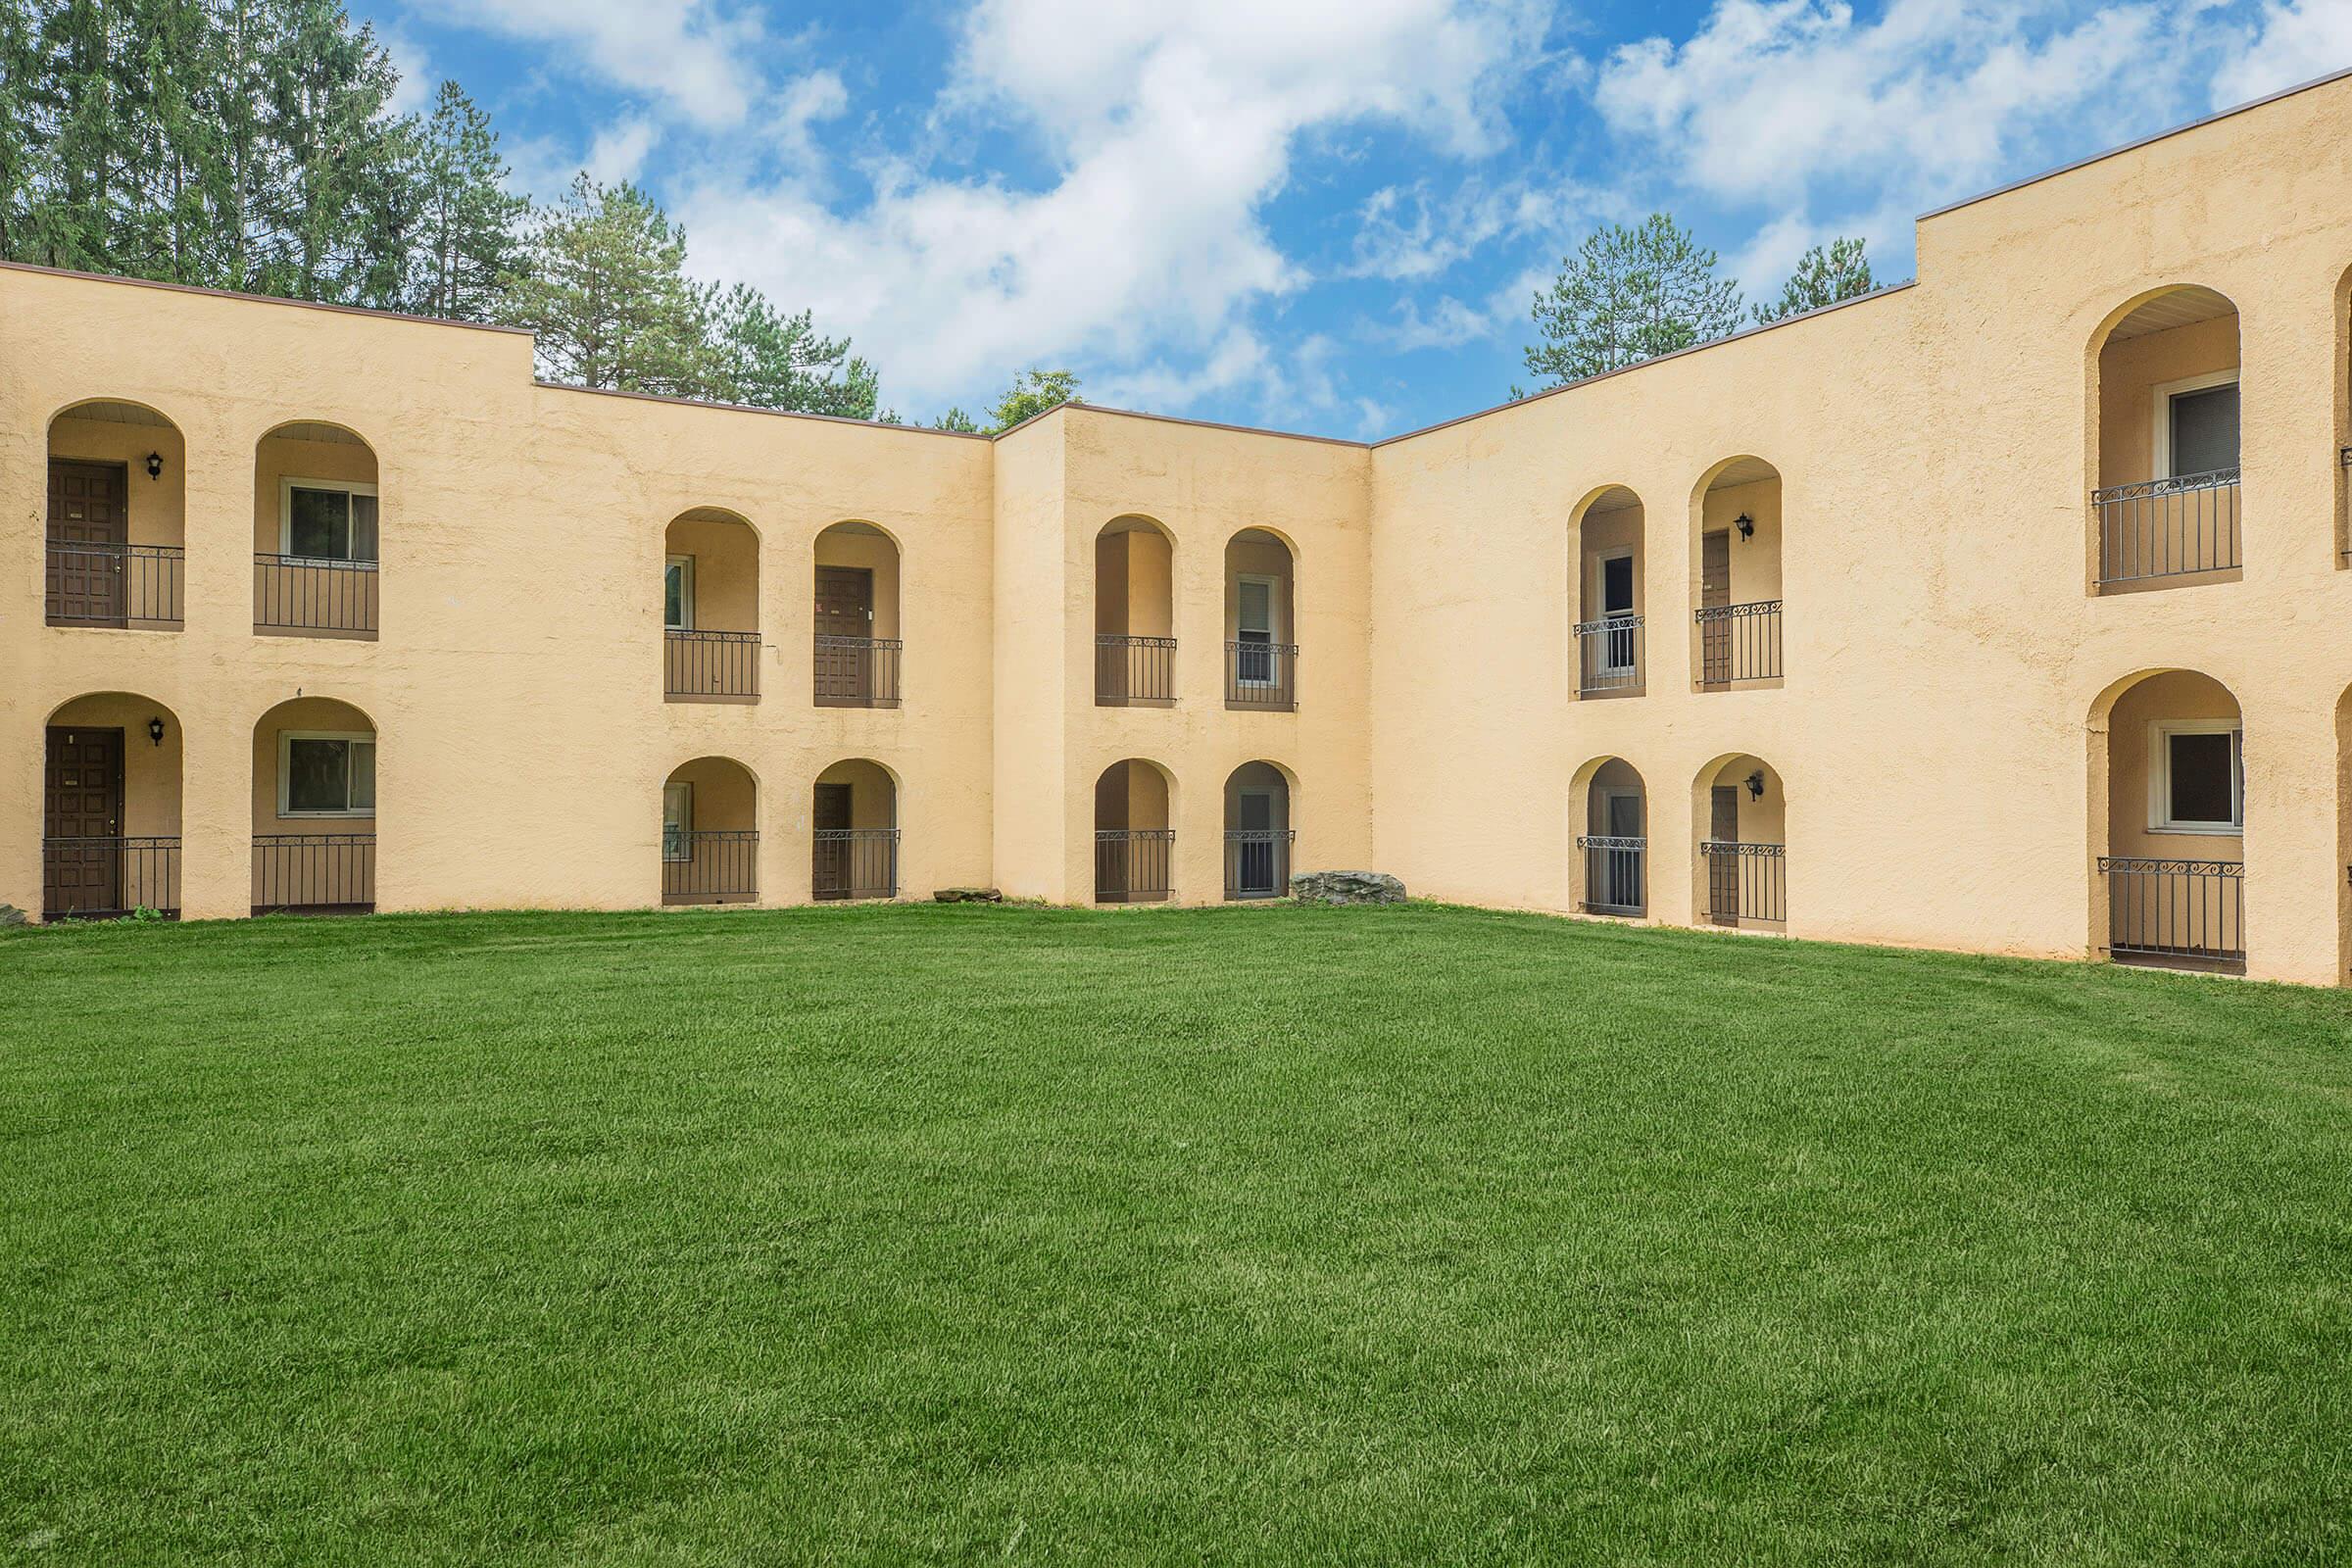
(155, 730)
(154, 464)
(1745, 524)
(1755, 785)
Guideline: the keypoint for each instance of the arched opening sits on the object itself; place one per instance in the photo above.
(1736, 575)
(1135, 615)
(858, 637)
(314, 808)
(709, 607)
(853, 847)
(316, 533)
(1257, 832)
(711, 833)
(2168, 798)
(1740, 821)
(2165, 443)
(117, 539)
(1135, 847)
(110, 808)
(1261, 637)
(1613, 869)
(1607, 534)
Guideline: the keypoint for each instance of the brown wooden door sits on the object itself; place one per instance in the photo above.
(81, 815)
(844, 607)
(90, 514)
(829, 864)
(1715, 593)
(1723, 870)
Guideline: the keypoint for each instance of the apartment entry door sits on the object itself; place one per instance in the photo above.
(1715, 593)
(82, 805)
(829, 868)
(845, 608)
(1723, 869)
(1255, 871)
(89, 515)
(1621, 870)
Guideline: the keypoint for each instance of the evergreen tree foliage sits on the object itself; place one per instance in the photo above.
(1822, 276)
(1628, 295)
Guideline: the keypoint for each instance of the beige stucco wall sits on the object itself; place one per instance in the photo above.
(1936, 445)
(1944, 724)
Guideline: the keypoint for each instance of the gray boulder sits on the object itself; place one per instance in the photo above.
(969, 896)
(10, 914)
(1346, 887)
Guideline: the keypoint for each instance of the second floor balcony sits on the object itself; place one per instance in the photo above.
(1608, 657)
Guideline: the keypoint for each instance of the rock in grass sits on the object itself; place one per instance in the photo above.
(10, 914)
(1346, 887)
(969, 896)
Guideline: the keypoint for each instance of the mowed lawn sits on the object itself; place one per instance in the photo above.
(1255, 1234)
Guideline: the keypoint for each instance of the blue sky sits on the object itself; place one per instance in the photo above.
(1318, 215)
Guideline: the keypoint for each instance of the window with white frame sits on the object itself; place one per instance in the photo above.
(327, 519)
(677, 821)
(677, 594)
(321, 773)
(2198, 783)
(2196, 426)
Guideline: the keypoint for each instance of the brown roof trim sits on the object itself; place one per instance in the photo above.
(259, 299)
(2134, 146)
(749, 408)
(1171, 418)
(1644, 364)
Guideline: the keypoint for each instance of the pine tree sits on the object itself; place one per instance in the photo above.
(462, 241)
(605, 290)
(1822, 277)
(1628, 295)
(761, 357)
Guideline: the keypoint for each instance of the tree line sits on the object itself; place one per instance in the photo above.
(1632, 293)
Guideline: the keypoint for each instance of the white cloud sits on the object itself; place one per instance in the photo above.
(619, 149)
(1772, 98)
(1166, 128)
(697, 57)
(1409, 234)
(417, 83)
(2292, 44)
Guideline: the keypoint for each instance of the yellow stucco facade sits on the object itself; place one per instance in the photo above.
(1933, 619)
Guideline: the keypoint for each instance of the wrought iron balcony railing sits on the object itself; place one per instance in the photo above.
(854, 862)
(1261, 675)
(310, 594)
(1258, 862)
(1739, 642)
(1745, 882)
(1615, 874)
(129, 586)
(858, 671)
(2175, 528)
(109, 878)
(1133, 866)
(1134, 669)
(710, 663)
(1608, 657)
(718, 865)
(314, 873)
(2190, 913)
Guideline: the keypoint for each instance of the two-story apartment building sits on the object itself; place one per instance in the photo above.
(2005, 610)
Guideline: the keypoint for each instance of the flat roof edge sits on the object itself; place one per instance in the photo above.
(2146, 141)
(1760, 329)
(545, 385)
(371, 312)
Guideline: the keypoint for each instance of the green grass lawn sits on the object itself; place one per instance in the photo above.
(1257, 1234)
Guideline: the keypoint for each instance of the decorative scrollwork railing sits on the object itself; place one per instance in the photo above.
(2174, 528)
(1739, 642)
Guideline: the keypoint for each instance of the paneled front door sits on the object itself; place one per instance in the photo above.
(81, 813)
(844, 607)
(90, 520)
(1723, 870)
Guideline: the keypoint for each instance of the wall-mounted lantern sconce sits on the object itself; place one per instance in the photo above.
(154, 464)
(1745, 524)
(155, 730)
(1755, 785)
